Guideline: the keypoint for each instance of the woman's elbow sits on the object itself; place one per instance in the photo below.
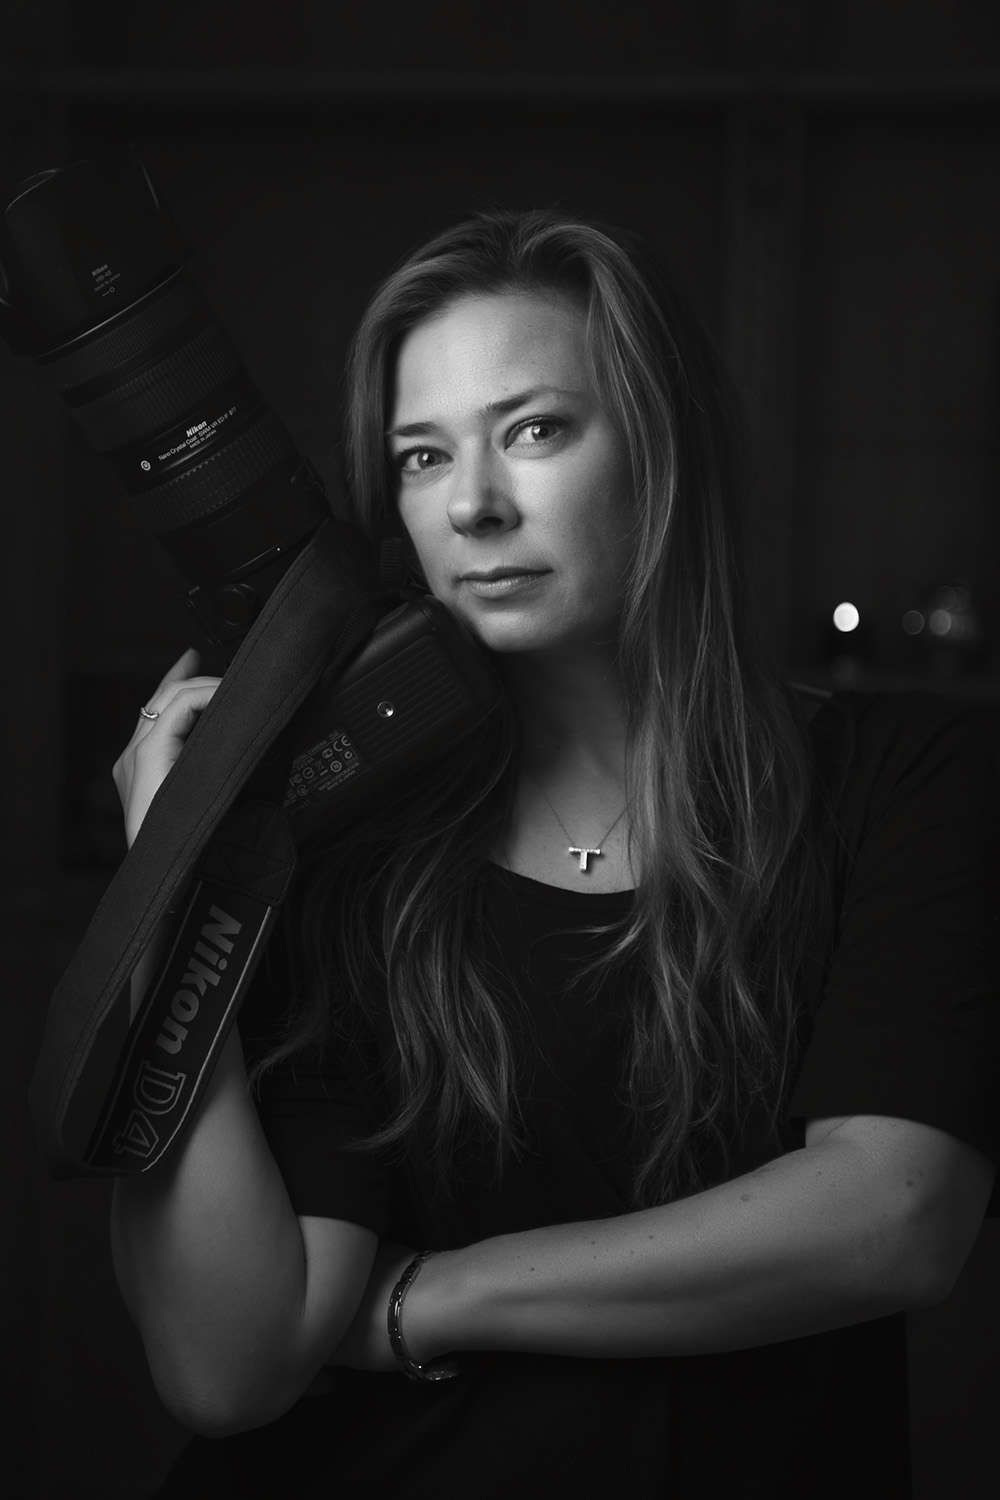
(218, 1406)
(932, 1252)
(933, 1275)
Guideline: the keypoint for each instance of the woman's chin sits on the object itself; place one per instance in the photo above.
(507, 636)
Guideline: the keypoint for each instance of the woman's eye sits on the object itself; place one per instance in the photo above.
(538, 430)
(418, 460)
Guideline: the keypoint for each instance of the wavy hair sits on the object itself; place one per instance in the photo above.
(389, 921)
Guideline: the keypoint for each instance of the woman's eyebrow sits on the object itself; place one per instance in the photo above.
(491, 410)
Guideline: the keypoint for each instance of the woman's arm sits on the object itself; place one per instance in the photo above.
(237, 1300)
(872, 1216)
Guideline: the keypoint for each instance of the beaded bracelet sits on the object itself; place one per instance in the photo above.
(446, 1369)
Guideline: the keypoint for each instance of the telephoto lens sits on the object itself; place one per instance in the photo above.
(94, 288)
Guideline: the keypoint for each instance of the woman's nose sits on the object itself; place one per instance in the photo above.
(481, 500)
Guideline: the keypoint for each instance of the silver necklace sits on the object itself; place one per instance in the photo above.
(584, 853)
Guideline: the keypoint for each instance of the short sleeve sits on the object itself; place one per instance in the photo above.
(909, 1021)
(313, 1119)
(314, 1112)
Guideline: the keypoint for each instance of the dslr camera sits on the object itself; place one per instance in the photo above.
(93, 286)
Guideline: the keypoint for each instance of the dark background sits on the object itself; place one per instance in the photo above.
(825, 179)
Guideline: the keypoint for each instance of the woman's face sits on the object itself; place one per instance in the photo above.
(505, 460)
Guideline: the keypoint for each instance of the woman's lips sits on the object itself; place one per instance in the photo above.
(501, 588)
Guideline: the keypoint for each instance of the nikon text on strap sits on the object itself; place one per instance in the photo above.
(238, 886)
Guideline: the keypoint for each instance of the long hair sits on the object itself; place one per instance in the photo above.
(389, 921)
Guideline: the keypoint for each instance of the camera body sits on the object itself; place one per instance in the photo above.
(419, 684)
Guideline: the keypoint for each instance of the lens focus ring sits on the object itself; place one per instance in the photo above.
(154, 398)
(220, 479)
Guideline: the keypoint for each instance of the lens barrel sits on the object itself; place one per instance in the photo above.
(98, 294)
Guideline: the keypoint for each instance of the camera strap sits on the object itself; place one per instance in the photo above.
(182, 1021)
(140, 1082)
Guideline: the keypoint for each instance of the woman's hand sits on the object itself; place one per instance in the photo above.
(156, 743)
(365, 1345)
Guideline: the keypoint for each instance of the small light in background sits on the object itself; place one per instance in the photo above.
(944, 628)
(952, 619)
(846, 617)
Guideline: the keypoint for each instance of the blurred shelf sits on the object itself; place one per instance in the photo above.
(973, 689)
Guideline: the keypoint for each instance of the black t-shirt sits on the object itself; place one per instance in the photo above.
(903, 1020)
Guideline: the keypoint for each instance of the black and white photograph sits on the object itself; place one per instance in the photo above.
(500, 644)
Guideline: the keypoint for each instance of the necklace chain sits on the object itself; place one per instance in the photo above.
(584, 853)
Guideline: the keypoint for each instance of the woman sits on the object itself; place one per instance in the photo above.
(664, 1012)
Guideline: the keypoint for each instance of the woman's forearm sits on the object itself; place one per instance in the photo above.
(813, 1240)
(210, 1260)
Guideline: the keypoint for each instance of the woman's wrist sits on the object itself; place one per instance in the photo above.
(431, 1317)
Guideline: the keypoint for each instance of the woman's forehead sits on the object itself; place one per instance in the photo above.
(481, 349)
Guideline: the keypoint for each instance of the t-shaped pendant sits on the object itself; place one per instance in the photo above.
(584, 856)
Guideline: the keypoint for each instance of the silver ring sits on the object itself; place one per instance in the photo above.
(149, 713)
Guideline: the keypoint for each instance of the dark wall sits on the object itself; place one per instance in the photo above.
(825, 181)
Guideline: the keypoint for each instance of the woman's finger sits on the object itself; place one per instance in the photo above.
(156, 744)
(167, 694)
(182, 670)
(185, 666)
(179, 705)
(171, 716)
